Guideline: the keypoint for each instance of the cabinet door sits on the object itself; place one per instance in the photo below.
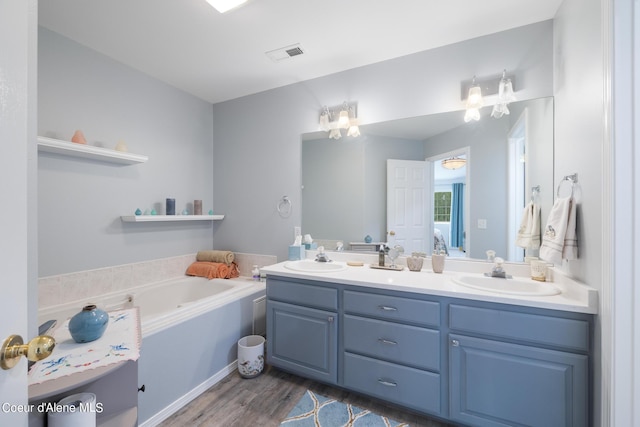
(493, 383)
(303, 340)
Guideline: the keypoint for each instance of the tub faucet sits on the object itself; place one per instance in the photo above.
(322, 256)
(498, 270)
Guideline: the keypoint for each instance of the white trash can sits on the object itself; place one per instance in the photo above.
(250, 356)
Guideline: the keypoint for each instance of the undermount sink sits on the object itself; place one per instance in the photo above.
(507, 286)
(310, 266)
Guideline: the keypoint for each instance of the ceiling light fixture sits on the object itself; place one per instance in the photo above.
(453, 163)
(223, 6)
(334, 119)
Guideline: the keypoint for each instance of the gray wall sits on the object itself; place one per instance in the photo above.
(487, 186)
(80, 202)
(257, 138)
(345, 185)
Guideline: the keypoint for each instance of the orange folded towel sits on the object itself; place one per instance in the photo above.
(213, 270)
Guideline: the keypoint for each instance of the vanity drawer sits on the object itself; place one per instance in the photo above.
(405, 386)
(409, 345)
(298, 293)
(398, 309)
(560, 332)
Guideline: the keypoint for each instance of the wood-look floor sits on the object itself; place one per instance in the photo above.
(266, 400)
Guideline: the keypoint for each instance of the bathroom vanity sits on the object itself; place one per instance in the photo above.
(419, 340)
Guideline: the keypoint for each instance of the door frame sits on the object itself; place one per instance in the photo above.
(466, 151)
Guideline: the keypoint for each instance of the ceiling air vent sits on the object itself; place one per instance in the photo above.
(286, 52)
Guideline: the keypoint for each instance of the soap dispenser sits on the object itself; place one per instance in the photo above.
(381, 255)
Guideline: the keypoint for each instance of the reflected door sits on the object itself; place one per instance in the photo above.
(409, 204)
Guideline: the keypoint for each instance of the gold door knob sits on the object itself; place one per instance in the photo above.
(13, 347)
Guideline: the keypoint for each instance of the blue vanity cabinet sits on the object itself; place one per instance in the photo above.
(302, 329)
(392, 349)
(512, 368)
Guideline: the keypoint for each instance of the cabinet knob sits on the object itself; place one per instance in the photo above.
(386, 341)
(387, 383)
(330, 319)
(387, 308)
(455, 343)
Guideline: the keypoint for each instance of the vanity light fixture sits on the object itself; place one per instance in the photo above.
(343, 119)
(474, 102)
(223, 6)
(505, 96)
(453, 163)
(334, 119)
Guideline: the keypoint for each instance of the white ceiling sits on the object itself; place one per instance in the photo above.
(217, 57)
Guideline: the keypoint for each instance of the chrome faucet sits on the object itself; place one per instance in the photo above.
(322, 256)
(498, 270)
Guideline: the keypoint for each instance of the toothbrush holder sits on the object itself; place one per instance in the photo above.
(437, 262)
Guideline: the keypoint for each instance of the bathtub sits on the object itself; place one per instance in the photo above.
(190, 327)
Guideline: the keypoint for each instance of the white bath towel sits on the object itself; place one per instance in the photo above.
(529, 232)
(559, 240)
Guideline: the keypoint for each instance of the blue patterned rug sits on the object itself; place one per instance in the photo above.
(314, 410)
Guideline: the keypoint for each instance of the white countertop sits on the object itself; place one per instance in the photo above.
(574, 296)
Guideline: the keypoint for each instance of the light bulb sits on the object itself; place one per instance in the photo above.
(343, 119)
(471, 114)
(474, 100)
(335, 134)
(354, 130)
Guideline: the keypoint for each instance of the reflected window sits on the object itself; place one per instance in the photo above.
(442, 206)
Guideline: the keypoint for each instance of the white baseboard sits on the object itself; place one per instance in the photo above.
(188, 397)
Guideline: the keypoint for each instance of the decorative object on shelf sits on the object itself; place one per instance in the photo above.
(367, 239)
(185, 212)
(197, 207)
(171, 206)
(89, 324)
(210, 211)
(414, 262)
(78, 138)
(153, 212)
(138, 212)
(121, 146)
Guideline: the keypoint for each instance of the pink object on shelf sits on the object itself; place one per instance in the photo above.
(78, 138)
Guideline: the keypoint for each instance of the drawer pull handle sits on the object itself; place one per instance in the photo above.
(387, 383)
(455, 343)
(387, 308)
(386, 341)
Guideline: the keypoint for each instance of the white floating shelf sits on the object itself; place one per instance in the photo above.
(166, 218)
(66, 148)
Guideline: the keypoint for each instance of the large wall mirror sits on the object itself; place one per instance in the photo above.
(344, 181)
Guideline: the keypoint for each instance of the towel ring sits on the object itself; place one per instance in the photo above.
(569, 178)
(284, 207)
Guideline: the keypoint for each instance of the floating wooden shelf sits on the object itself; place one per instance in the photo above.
(72, 149)
(166, 218)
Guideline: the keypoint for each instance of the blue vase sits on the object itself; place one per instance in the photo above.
(367, 239)
(89, 324)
